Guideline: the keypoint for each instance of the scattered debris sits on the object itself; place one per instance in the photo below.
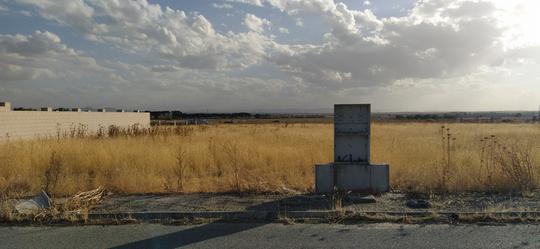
(42, 208)
(360, 199)
(84, 200)
(34, 205)
(290, 191)
(418, 204)
(72, 208)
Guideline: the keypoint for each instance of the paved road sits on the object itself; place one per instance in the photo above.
(218, 235)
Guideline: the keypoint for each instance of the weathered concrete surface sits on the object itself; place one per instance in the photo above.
(31, 124)
(351, 169)
(352, 177)
(391, 207)
(253, 235)
(474, 202)
(352, 133)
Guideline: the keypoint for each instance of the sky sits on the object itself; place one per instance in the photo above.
(271, 55)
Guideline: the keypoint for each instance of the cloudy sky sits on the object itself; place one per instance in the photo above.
(271, 55)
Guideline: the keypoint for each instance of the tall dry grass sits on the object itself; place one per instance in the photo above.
(268, 157)
(430, 157)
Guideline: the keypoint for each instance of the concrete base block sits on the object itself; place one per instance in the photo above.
(366, 178)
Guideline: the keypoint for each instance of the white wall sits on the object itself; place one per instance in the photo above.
(32, 124)
(5, 106)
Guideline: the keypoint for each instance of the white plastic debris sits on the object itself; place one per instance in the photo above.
(34, 205)
(361, 199)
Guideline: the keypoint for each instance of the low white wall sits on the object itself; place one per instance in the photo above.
(32, 124)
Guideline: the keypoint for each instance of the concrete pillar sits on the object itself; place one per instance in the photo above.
(352, 130)
(352, 169)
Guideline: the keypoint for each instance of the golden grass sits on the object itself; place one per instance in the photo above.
(258, 158)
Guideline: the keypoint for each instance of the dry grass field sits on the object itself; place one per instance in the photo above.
(271, 157)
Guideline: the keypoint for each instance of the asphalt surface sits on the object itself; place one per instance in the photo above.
(227, 235)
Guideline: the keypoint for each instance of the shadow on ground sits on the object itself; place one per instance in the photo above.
(294, 203)
(217, 229)
(190, 236)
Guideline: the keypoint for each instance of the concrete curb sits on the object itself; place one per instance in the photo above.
(317, 216)
(222, 215)
(323, 215)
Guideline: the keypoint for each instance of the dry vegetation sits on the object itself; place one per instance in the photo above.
(269, 157)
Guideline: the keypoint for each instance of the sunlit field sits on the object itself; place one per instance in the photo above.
(271, 158)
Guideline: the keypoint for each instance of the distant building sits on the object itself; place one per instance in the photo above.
(5, 106)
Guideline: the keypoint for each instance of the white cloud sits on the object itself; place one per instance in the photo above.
(255, 23)
(36, 44)
(250, 2)
(521, 19)
(66, 12)
(480, 46)
(25, 13)
(42, 55)
(222, 6)
(187, 39)
(439, 39)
